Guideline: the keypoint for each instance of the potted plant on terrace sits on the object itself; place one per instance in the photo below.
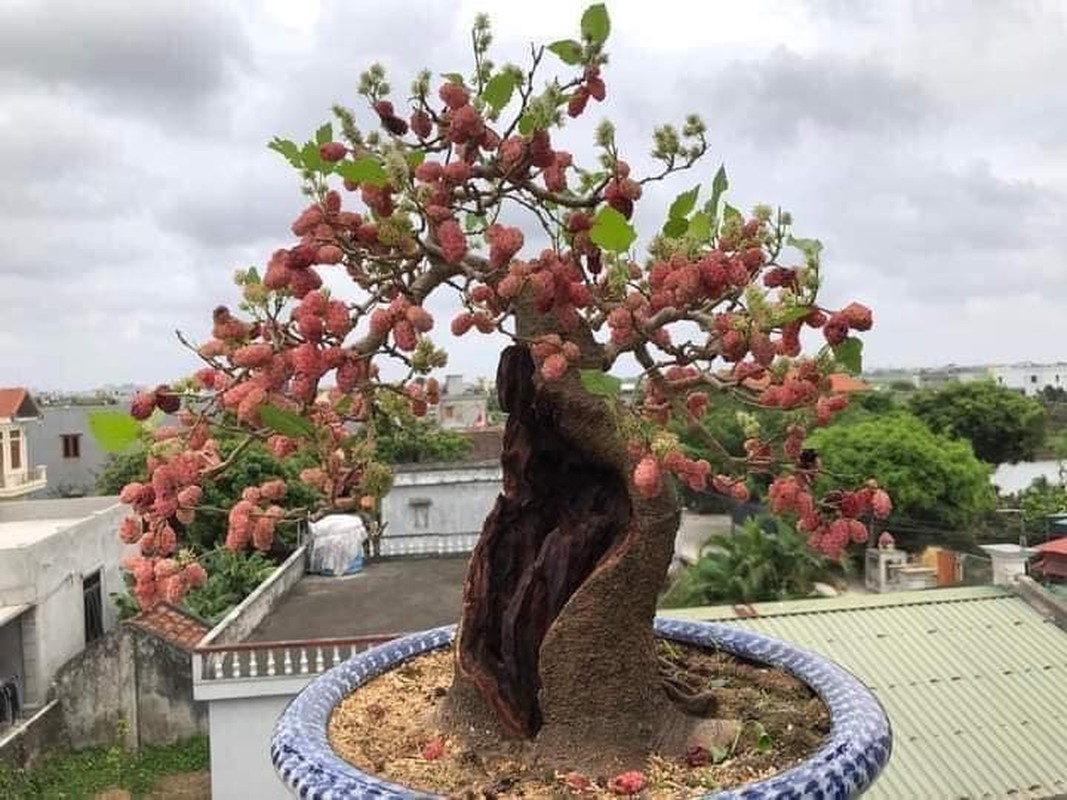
(461, 187)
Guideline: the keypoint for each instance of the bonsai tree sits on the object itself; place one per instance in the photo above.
(461, 186)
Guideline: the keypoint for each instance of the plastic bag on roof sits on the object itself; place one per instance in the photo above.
(336, 545)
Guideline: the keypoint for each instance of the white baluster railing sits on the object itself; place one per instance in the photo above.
(279, 659)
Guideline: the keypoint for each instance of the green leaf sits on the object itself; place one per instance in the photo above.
(729, 212)
(764, 742)
(809, 247)
(286, 422)
(599, 383)
(287, 149)
(849, 354)
(684, 203)
(792, 314)
(415, 157)
(455, 77)
(596, 25)
(700, 227)
(324, 134)
(252, 276)
(114, 431)
(718, 754)
(365, 169)
(497, 93)
(718, 186)
(526, 124)
(611, 230)
(311, 158)
(568, 50)
(675, 227)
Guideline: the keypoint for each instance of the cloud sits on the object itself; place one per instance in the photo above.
(134, 174)
(773, 100)
(145, 57)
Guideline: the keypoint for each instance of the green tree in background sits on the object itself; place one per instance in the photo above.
(1002, 425)
(403, 438)
(936, 481)
(1040, 499)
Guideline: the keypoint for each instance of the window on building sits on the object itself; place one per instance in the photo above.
(72, 445)
(1033, 379)
(420, 509)
(16, 449)
(93, 601)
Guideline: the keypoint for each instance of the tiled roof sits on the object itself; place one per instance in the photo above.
(171, 623)
(11, 400)
(974, 681)
(840, 382)
(844, 383)
(1057, 546)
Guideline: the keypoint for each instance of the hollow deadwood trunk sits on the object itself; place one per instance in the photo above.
(555, 642)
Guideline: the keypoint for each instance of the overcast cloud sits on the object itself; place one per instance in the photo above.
(925, 143)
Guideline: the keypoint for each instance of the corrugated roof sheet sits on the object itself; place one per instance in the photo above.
(974, 681)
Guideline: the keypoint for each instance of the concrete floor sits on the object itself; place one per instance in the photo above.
(406, 595)
(400, 596)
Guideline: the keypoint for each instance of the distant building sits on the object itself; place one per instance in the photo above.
(462, 406)
(942, 376)
(19, 415)
(1030, 379)
(67, 447)
(888, 378)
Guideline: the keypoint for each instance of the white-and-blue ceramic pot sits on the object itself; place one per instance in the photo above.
(856, 750)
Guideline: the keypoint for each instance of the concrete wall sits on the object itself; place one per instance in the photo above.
(47, 447)
(241, 729)
(459, 498)
(245, 618)
(47, 573)
(41, 733)
(166, 711)
(135, 677)
(98, 689)
(19, 510)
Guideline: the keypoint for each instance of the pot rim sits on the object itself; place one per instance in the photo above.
(855, 752)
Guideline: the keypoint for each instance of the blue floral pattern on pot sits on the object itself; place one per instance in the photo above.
(856, 750)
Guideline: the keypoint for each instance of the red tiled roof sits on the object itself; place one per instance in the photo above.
(11, 400)
(171, 623)
(843, 383)
(1056, 546)
(840, 383)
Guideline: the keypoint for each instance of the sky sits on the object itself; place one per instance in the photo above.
(924, 143)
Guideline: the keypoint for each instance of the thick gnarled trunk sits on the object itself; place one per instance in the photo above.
(556, 643)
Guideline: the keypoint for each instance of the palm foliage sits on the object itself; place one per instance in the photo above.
(750, 566)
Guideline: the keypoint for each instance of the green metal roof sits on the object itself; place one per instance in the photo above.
(974, 681)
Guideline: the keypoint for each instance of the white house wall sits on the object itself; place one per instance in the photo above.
(46, 441)
(47, 574)
(1031, 378)
(459, 500)
(241, 730)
